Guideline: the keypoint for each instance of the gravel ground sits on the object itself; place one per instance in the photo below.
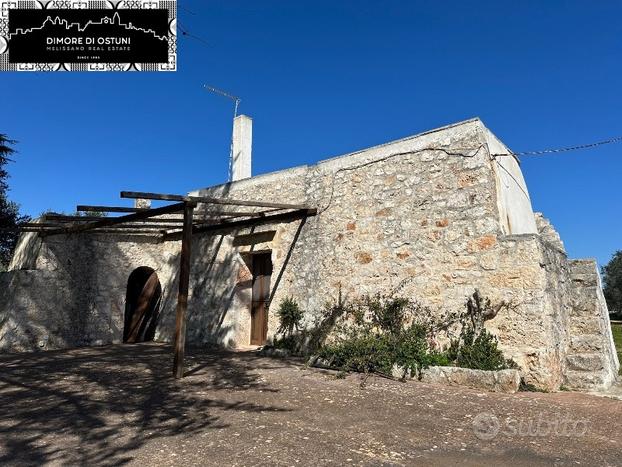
(119, 405)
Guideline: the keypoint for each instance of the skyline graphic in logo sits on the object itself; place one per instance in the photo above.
(114, 20)
(89, 39)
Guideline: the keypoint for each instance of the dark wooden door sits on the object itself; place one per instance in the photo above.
(262, 271)
(142, 306)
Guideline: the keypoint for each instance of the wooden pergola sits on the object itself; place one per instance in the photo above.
(164, 222)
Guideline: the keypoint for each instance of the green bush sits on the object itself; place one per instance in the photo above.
(476, 347)
(388, 313)
(374, 333)
(413, 350)
(366, 351)
(478, 351)
(377, 332)
(290, 316)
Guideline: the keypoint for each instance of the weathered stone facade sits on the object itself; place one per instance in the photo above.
(435, 216)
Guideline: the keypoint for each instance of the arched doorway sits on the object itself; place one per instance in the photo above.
(142, 305)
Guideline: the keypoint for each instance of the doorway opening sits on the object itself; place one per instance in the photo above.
(262, 272)
(142, 305)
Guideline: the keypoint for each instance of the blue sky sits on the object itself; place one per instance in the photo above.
(322, 78)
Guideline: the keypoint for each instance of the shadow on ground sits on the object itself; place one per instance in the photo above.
(108, 402)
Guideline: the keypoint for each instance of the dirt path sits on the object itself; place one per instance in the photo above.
(118, 404)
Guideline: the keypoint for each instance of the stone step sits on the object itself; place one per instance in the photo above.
(585, 280)
(584, 326)
(586, 309)
(584, 380)
(582, 266)
(586, 362)
(585, 343)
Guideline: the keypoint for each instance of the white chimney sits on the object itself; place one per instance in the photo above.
(241, 147)
(142, 203)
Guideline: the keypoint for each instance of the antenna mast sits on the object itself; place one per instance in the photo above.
(236, 100)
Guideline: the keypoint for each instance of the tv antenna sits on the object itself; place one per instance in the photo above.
(236, 100)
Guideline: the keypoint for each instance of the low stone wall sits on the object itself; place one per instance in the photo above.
(495, 381)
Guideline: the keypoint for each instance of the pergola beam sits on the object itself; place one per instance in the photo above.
(232, 225)
(207, 200)
(110, 221)
(44, 232)
(86, 208)
(64, 218)
(56, 225)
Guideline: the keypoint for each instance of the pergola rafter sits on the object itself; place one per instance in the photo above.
(165, 224)
(207, 200)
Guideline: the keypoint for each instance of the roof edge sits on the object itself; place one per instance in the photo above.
(350, 154)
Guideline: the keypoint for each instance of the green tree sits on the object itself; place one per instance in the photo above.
(10, 217)
(612, 282)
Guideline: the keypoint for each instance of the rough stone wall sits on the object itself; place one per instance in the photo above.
(74, 292)
(592, 361)
(70, 290)
(398, 212)
(26, 252)
(29, 321)
(541, 328)
(560, 332)
(420, 215)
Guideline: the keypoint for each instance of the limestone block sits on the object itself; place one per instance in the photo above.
(584, 380)
(494, 381)
(482, 243)
(585, 362)
(584, 325)
(489, 261)
(586, 343)
(399, 372)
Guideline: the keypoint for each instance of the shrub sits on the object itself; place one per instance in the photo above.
(364, 353)
(388, 313)
(316, 336)
(478, 351)
(476, 347)
(374, 333)
(413, 350)
(290, 316)
(377, 332)
(367, 351)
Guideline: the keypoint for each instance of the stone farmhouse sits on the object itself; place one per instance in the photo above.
(437, 214)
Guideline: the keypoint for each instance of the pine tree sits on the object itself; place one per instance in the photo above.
(10, 217)
(612, 282)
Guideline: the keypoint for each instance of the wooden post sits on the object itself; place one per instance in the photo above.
(182, 297)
